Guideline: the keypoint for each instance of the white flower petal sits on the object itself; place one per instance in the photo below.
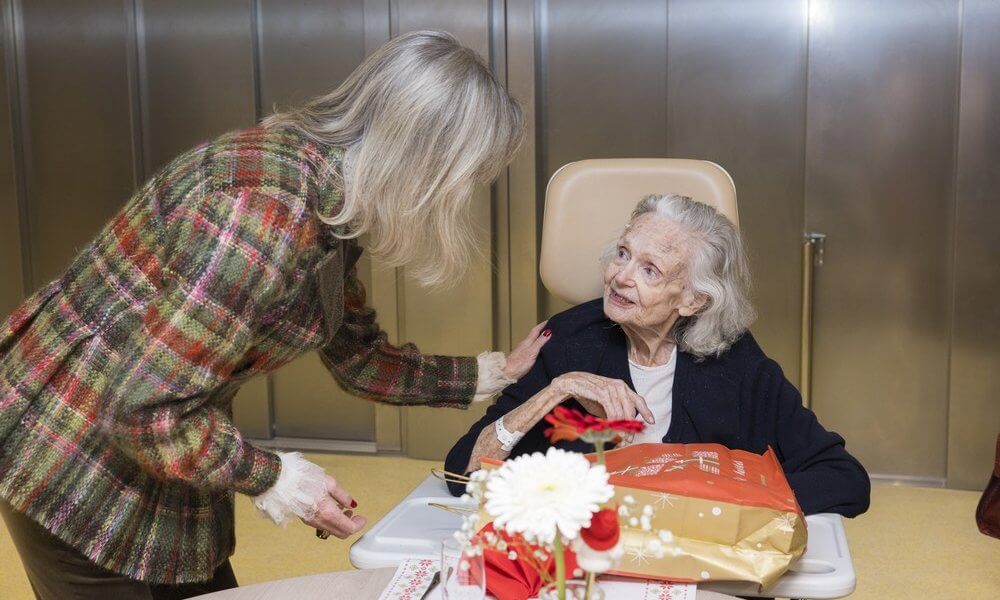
(542, 495)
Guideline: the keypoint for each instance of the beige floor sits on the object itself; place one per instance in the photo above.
(913, 543)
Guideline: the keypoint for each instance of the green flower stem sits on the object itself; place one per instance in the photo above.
(590, 584)
(557, 551)
(599, 446)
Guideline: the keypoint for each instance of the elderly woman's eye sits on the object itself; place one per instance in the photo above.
(651, 272)
(622, 252)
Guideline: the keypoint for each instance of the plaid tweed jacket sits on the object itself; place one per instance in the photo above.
(117, 379)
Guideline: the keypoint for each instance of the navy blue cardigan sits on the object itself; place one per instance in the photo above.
(740, 399)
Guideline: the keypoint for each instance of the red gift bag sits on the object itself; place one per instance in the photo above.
(719, 514)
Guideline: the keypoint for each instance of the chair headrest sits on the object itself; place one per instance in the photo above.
(587, 205)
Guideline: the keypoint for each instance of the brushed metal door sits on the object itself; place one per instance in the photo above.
(890, 129)
(879, 174)
(307, 48)
(741, 104)
(76, 125)
(196, 75)
(974, 398)
(11, 272)
(602, 87)
(458, 321)
(196, 72)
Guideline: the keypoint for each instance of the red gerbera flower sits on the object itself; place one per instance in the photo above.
(627, 425)
(563, 428)
(570, 424)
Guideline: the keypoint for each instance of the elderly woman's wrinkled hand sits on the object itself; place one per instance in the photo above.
(602, 396)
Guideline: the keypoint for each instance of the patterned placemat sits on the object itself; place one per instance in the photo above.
(411, 580)
(413, 577)
(621, 588)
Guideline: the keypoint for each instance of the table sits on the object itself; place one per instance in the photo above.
(353, 585)
(413, 529)
(366, 584)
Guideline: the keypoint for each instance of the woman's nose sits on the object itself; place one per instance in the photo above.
(624, 276)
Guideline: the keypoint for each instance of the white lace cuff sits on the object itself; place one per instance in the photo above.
(299, 489)
(491, 377)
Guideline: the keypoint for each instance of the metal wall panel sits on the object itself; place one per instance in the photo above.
(458, 321)
(500, 210)
(741, 104)
(11, 274)
(603, 84)
(879, 173)
(197, 81)
(907, 200)
(382, 284)
(308, 403)
(524, 212)
(307, 48)
(468, 20)
(76, 124)
(197, 74)
(974, 409)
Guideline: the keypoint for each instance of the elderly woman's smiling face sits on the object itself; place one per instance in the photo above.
(646, 280)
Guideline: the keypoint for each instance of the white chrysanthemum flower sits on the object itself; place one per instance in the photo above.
(540, 495)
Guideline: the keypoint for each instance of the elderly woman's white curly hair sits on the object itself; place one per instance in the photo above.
(718, 269)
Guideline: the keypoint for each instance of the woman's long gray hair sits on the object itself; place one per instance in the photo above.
(422, 121)
(718, 269)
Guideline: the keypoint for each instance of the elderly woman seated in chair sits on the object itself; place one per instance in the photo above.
(668, 342)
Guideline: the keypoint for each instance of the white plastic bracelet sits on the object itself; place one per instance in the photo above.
(508, 439)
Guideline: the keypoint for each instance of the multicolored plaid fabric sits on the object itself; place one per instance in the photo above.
(116, 380)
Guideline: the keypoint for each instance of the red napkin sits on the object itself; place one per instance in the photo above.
(517, 579)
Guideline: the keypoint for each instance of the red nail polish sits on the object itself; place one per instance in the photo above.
(547, 332)
(354, 503)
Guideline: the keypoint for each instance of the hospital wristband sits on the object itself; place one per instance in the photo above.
(508, 439)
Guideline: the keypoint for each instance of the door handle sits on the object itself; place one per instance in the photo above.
(813, 246)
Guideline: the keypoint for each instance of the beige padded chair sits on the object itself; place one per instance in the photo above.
(587, 204)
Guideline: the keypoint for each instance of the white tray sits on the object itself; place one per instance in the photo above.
(413, 529)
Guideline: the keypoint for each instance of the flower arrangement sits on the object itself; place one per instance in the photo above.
(548, 513)
(678, 512)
